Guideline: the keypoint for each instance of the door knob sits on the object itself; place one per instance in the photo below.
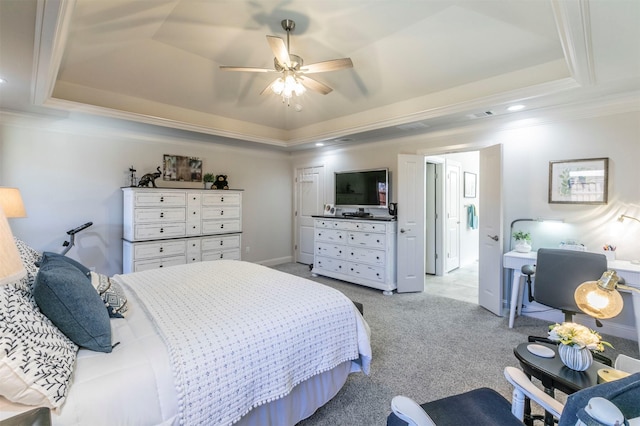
(402, 230)
(493, 237)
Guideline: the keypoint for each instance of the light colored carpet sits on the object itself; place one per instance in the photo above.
(426, 347)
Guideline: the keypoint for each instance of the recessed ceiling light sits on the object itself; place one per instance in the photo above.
(319, 144)
(2, 80)
(513, 108)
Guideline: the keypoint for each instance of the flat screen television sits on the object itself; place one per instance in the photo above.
(362, 188)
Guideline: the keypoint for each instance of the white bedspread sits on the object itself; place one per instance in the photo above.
(242, 334)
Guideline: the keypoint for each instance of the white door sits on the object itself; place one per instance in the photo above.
(430, 224)
(411, 216)
(452, 214)
(310, 201)
(490, 228)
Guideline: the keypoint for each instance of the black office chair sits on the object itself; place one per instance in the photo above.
(559, 272)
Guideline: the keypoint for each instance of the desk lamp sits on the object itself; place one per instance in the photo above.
(601, 299)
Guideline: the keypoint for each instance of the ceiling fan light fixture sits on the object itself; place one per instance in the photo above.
(286, 86)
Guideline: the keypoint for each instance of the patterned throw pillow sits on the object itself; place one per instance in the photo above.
(29, 258)
(111, 293)
(36, 358)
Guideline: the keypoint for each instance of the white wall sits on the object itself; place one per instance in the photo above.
(70, 173)
(526, 155)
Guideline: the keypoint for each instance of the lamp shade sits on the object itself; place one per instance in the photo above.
(11, 268)
(11, 202)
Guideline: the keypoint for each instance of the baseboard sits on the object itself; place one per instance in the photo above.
(275, 261)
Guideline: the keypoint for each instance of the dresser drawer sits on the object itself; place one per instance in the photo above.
(367, 227)
(332, 265)
(326, 223)
(220, 198)
(221, 243)
(159, 249)
(331, 250)
(231, 254)
(159, 215)
(363, 255)
(159, 230)
(164, 262)
(155, 198)
(331, 235)
(220, 226)
(367, 272)
(367, 239)
(220, 212)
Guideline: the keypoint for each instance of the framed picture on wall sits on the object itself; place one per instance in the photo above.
(182, 169)
(470, 183)
(579, 181)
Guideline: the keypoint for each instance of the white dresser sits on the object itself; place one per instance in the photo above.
(164, 227)
(360, 251)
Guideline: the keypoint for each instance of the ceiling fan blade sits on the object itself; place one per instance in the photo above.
(315, 85)
(279, 50)
(245, 69)
(332, 65)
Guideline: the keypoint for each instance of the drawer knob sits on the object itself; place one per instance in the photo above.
(221, 212)
(161, 230)
(161, 214)
(160, 266)
(222, 199)
(194, 227)
(221, 255)
(221, 242)
(161, 249)
(162, 199)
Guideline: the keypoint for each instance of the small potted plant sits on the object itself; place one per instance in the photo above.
(208, 180)
(523, 241)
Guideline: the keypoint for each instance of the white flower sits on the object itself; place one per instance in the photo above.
(572, 334)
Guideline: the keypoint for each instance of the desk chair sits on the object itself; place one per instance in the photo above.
(559, 272)
(479, 407)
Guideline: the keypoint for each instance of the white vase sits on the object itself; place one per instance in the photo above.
(208, 185)
(575, 358)
(523, 246)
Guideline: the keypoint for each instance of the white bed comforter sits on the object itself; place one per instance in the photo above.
(241, 335)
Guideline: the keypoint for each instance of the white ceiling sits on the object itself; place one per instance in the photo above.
(434, 62)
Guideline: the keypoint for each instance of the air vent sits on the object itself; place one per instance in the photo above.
(413, 126)
(481, 114)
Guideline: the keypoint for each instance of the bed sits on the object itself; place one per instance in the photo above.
(224, 342)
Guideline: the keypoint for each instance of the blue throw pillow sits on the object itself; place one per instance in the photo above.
(51, 255)
(65, 295)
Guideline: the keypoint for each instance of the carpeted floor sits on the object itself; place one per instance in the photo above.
(426, 347)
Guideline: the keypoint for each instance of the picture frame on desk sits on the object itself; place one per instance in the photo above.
(584, 181)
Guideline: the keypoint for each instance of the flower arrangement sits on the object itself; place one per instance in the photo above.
(572, 334)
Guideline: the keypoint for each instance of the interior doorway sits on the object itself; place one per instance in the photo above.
(448, 227)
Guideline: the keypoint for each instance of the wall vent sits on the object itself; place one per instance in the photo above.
(481, 114)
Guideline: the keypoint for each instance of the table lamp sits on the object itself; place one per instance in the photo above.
(11, 268)
(11, 202)
(601, 299)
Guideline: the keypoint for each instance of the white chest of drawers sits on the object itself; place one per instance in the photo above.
(164, 227)
(356, 250)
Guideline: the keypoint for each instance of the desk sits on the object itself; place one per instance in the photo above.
(515, 261)
(554, 374)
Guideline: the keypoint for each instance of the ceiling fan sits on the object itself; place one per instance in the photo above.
(293, 73)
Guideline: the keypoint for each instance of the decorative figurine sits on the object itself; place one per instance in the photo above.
(132, 174)
(150, 178)
(221, 182)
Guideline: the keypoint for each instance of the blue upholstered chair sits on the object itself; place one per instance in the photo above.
(486, 407)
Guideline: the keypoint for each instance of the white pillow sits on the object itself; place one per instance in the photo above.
(36, 359)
